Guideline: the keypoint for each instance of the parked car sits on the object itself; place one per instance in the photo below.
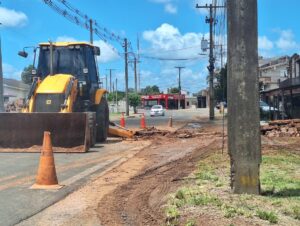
(265, 107)
(157, 110)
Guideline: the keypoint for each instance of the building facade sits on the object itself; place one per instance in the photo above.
(286, 97)
(15, 93)
(168, 101)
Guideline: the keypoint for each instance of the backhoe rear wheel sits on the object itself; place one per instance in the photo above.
(102, 120)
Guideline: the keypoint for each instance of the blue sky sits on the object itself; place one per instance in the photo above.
(166, 28)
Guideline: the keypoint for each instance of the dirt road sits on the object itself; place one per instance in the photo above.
(134, 193)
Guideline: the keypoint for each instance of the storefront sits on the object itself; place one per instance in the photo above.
(168, 101)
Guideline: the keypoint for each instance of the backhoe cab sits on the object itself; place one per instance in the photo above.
(64, 98)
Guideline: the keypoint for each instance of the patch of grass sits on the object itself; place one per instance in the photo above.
(269, 216)
(294, 212)
(173, 215)
(190, 223)
(280, 183)
(207, 175)
(180, 194)
(232, 211)
(203, 199)
(278, 174)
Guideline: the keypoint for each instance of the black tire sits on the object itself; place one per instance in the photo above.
(102, 120)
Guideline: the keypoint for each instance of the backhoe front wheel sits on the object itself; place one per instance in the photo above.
(102, 120)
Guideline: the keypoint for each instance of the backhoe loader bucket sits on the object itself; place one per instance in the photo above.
(23, 132)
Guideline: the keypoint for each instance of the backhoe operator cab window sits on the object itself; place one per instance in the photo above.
(77, 60)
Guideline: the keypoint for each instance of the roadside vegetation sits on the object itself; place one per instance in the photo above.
(206, 194)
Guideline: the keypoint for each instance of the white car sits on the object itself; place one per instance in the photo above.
(157, 110)
(265, 107)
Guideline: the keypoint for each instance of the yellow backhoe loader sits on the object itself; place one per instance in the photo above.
(65, 98)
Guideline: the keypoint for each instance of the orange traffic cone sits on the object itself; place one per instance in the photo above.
(46, 176)
(170, 123)
(143, 121)
(122, 121)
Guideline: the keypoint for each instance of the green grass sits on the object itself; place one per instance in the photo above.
(278, 175)
(280, 184)
(173, 215)
(269, 216)
(190, 223)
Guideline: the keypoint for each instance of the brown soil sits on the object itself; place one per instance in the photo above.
(135, 192)
(140, 201)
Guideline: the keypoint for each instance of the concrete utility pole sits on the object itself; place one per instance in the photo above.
(135, 63)
(1, 81)
(244, 144)
(126, 76)
(91, 31)
(211, 21)
(179, 83)
(221, 56)
(138, 68)
(179, 77)
(110, 81)
(135, 76)
(117, 93)
(106, 82)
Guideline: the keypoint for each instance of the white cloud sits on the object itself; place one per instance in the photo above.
(286, 40)
(10, 71)
(169, 5)
(107, 52)
(65, 38)
(167, 38)
(167, 41)
(12, 18)
(170, 8)
(264, 43)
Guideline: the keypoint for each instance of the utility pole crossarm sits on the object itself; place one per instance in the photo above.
(208, 6)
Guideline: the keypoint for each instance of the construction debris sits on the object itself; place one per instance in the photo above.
(282, 128)
(150, 131)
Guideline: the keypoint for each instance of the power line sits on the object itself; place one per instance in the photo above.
(174, 50)
(83, 20)
(170, 59)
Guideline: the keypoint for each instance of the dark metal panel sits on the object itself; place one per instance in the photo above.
(24, 130)
(49, 102)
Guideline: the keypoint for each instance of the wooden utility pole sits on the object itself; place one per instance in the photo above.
(126, 76)
(1, 81)
(211, 21)
(244, 144)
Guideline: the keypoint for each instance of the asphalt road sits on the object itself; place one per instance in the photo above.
(18, 171)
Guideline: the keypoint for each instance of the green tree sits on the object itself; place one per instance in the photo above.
(134, 100)
(27, 74)
(174, 90)
(221, 86)
(112, 96)
(148, 90)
